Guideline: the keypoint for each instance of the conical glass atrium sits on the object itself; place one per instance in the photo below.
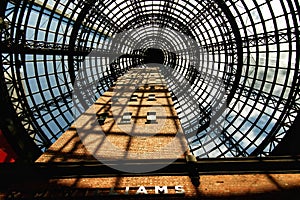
(238, 62)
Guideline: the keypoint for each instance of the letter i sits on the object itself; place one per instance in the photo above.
(126, 190)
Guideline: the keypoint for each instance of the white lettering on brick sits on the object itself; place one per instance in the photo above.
(161, 190)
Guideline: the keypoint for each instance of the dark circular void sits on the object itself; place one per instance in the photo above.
(152, 55)
(254, 48)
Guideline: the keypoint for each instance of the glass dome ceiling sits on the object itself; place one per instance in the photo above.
(254, 46)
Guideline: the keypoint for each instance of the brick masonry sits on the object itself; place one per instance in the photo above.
(69, 148)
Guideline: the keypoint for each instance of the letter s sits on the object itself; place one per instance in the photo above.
(179, 189)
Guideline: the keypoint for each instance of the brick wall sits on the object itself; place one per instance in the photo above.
(133, 138)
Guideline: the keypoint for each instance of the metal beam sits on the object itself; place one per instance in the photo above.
(290, 143)
(86, 7)
(13, 173)
(51, 48)
(12, 127)
(42, 48)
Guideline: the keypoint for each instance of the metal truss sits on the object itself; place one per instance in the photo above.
(254, 46)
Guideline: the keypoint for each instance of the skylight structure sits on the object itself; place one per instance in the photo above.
(254, 46)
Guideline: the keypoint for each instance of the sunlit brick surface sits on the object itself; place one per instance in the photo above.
(138, 137)
(70, 148)
(264, 186)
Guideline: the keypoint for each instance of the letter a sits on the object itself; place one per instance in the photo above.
(141, 190)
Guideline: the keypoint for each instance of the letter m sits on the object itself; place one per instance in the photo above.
(161, 190)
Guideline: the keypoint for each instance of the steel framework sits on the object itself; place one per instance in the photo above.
(253, 44)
